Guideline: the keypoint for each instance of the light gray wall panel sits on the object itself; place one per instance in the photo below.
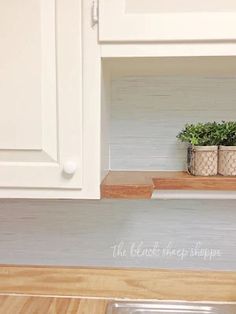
(148, 112)
(82, 233)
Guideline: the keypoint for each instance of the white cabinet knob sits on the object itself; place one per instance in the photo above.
(70, 167)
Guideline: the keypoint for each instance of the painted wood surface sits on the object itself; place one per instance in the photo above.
(112, 233)
(119, 21)
(40, 97)
(153, 6)
(193, 49)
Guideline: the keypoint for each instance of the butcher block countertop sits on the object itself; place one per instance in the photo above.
(110, 284)
(50, 305)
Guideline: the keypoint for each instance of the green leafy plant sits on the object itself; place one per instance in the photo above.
(226, 132)
(201, 134)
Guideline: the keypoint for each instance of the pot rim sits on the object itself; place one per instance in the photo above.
(223, 147)
(206, 148)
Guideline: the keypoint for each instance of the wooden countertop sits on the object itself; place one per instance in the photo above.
(111, 283)
(10, 304)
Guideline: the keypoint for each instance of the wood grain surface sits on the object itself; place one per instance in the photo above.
(141, 184)
(127, 185)
(177, 180)
(119, 283)
(50, 305)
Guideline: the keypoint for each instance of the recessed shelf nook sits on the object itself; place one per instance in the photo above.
(145, 103)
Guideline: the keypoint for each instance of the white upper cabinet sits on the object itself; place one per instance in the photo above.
(163, 20)
(40, 94)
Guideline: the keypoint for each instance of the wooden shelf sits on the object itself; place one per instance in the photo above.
(141, 184)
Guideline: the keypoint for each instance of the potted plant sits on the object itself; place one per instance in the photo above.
(202, 139)
(227, 149)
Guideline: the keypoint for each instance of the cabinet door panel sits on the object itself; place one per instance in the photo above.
(159, 20)
(40, 94)
(161, 6)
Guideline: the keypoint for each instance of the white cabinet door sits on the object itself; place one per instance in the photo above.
(40, 94)
(163, 20)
